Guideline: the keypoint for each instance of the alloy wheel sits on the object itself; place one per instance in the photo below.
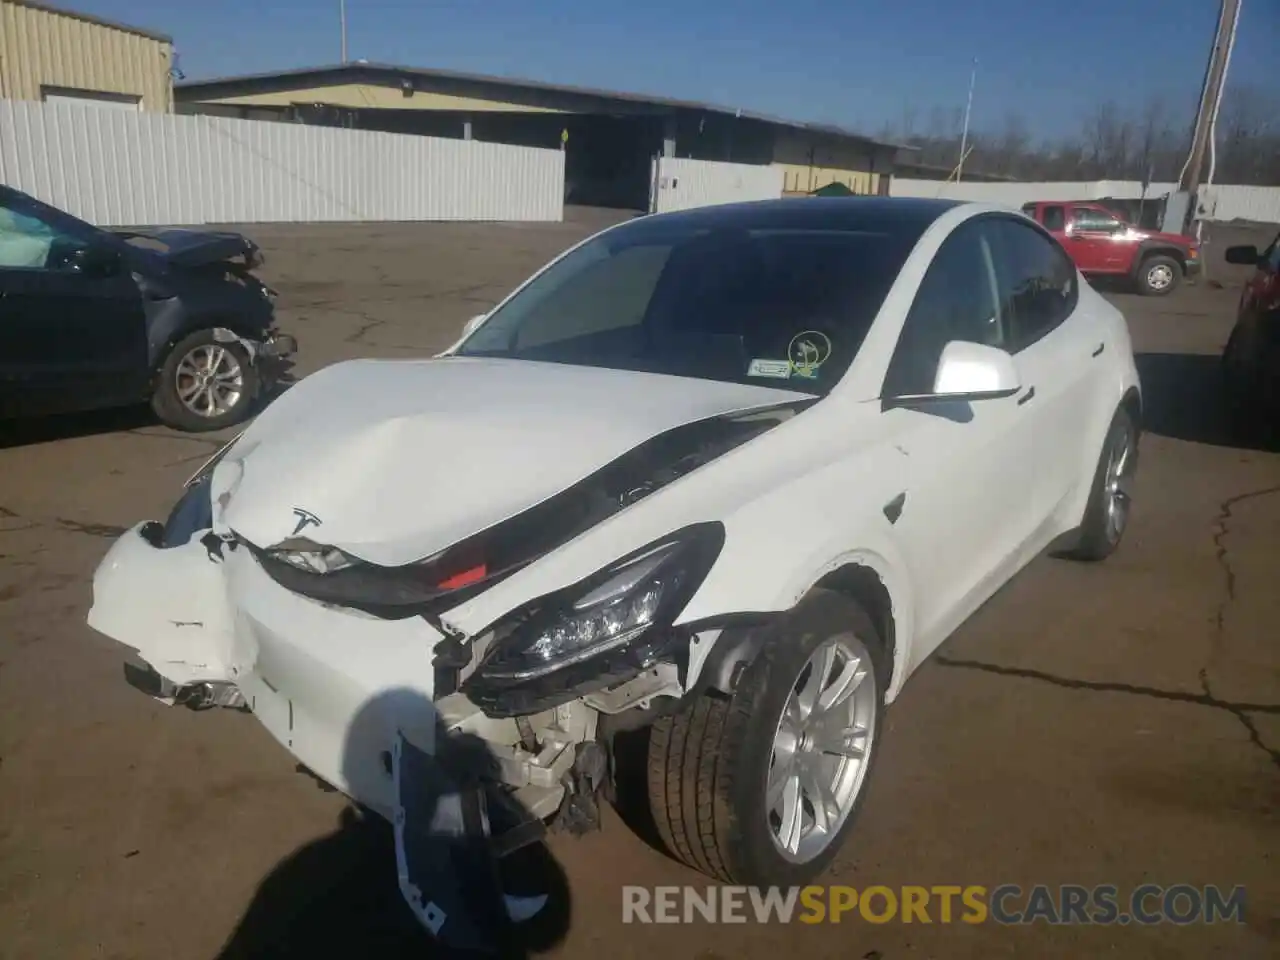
(209, 380)
(1119, 483)
(821, 748)
(1160, 276)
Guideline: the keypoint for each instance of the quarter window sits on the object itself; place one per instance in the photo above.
(956, 301)
(1035, 281)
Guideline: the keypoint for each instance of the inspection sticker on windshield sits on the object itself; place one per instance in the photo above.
(778, 369)
(809, 351)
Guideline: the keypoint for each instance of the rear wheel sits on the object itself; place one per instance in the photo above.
(1110, 499)
(205, 384)
(1159, 275)
(762, 787)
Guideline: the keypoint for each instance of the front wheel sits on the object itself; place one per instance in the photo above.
(205, 384)
(1159, 276)
(762, 787)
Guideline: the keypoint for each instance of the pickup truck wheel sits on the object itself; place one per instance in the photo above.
(204, 384)
(762, 787)
(1159, 275)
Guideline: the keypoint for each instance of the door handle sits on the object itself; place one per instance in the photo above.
(1029, 395)
(1097, 351)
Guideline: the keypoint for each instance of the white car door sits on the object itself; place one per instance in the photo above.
(967, 513)
(1059, 350)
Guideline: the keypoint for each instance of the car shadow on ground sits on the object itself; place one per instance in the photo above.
(340, 896)
(1182, 398)
(631, 786)
(89, 423)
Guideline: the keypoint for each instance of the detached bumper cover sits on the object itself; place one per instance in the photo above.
(348, 694)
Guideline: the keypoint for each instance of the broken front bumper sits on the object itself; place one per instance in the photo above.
(344, 692)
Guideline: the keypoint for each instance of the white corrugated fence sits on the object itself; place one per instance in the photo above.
(680, 183)
(112, 167)
(1220, 202)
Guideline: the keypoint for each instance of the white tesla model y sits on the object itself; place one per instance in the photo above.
(729, 474)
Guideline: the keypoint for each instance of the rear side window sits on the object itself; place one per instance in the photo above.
(1035, 281)
(1087, 219)
(956, 301)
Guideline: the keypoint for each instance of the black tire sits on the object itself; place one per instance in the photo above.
(167, 403)
(1151, 269)
(708, 764)
(1097, 537)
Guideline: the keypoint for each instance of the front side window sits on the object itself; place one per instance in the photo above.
(774, 307)
(29, 241)
(1035, 281)
(1089, 220)
(956, 301)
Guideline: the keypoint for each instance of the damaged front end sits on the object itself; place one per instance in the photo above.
(355, 669)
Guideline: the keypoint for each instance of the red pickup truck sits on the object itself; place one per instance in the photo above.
(1102, 244)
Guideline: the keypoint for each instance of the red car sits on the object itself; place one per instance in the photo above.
(1102, 244)
(1251, 361)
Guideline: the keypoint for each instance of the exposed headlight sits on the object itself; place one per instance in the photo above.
(613, 624)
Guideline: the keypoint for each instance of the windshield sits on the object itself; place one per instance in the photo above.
(774, 307)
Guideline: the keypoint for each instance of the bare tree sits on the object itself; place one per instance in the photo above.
(1111, 142)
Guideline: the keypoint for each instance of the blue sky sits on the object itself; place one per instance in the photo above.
(857, 63)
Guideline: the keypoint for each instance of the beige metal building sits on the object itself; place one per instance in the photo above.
(609, 137)
(51, 54)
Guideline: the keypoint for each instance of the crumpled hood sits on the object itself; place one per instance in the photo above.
(392, 461)
(195, 248)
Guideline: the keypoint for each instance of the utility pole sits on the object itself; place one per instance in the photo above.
(342, 22)
(1211, 95)
(968, 109)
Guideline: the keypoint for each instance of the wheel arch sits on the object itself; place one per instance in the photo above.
(1159, 249)
(1132, 404)
(866, 579)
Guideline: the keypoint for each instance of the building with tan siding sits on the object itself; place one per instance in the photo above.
(51, 54)
(609, 137)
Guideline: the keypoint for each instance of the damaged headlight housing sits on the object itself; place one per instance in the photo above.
(602, 630)
(312, 557)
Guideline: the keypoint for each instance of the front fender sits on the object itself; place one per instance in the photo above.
(750, 580)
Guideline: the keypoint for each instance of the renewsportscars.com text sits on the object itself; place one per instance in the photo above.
(1065, 904)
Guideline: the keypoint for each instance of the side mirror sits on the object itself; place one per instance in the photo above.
(974, 371)
(470, 326)
(94, 261)
(968, 372)
(1244, 256)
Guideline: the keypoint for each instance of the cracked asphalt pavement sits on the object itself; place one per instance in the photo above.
(1115, 723)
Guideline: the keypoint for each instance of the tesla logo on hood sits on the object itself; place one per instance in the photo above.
(305, 519)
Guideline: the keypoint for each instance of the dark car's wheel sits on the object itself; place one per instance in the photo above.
(1107, 516)
(1159, 275)
(205, 384)
(762, 787)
